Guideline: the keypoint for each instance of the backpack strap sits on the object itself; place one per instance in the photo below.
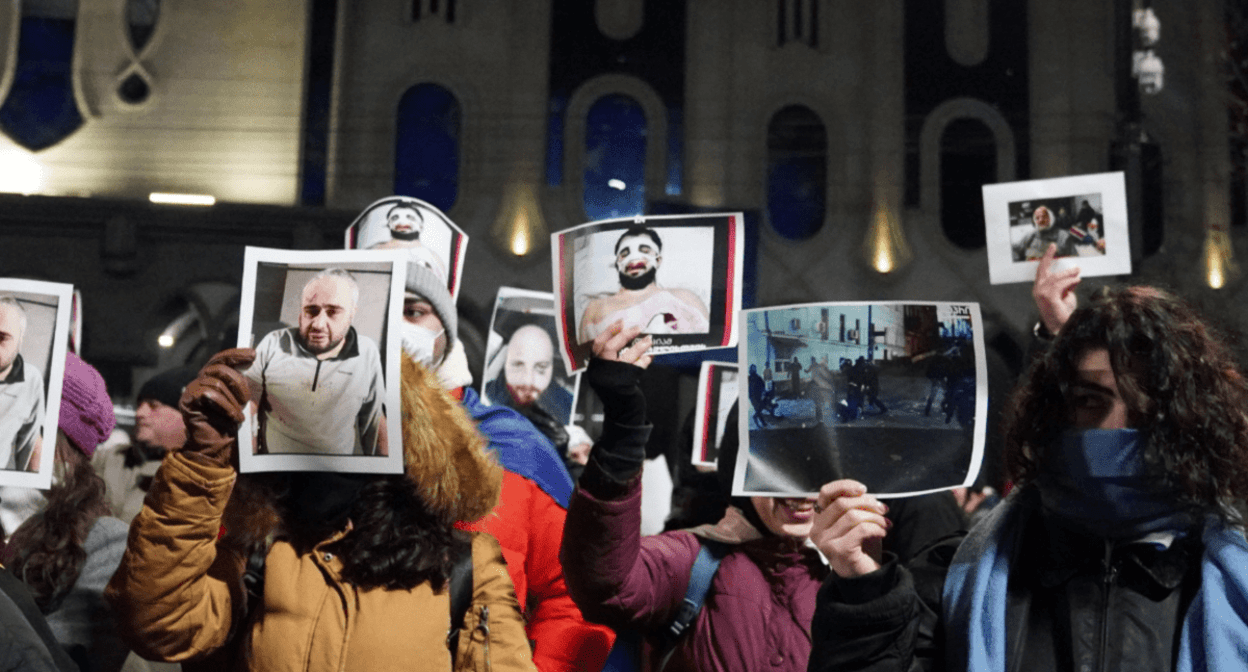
(461, 597)
(700, 576)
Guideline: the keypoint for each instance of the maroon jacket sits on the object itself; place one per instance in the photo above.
(756, 616)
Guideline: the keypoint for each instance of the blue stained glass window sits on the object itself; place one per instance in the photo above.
(797, 172)
(675, 151)
(426, 156)
(615, 158)
(40, 109)
(968, 160)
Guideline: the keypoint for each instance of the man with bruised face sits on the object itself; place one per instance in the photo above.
(406, 223)
(640, 301)
(528, 373)
(319, 386)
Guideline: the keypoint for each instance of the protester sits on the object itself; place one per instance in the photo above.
(66, 553)
(128, 467)
(762, 595)
(1119, 546)
(318, 571)
(529, 519)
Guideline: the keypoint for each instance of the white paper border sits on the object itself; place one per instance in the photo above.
(703, 434)
(54, 378)
(981, 399)
(1002, 269)
(734, 284)
(366, 464)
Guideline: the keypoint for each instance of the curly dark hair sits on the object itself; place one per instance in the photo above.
(395, 541)
(46, 551)
(1178, 378)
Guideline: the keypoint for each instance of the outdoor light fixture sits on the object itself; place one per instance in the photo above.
(1146, 66)
(616, 184)
(885, 247)
(520, 240)
(1218, 262)
(1150, 71)
(181, 199)
(169, 337)
(1146, 21)
(519, 227)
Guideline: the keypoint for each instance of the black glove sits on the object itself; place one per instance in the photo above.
(618, 455)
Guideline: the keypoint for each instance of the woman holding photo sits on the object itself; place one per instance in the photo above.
(316, 570)
(758, 607)
(1120, 546)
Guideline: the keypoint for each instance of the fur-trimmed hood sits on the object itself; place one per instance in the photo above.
(443, 453)
(442, 450)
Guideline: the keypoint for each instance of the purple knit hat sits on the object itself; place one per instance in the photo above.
(86, 411)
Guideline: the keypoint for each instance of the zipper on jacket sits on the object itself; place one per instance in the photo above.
(483, 624)
(1111, 573)
(316, 376)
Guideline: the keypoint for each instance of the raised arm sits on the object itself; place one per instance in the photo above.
(614, 575)
(1054, 292)
(174, 596)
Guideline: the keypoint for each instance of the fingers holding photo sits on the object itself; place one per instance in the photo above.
(1054, 290)
(848, 527)
(617, 343)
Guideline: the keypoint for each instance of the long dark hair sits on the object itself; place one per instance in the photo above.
(1178, 378)
(46, 551)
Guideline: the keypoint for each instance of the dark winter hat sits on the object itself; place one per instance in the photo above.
(86, 415)
(166, 387)
(425, 283)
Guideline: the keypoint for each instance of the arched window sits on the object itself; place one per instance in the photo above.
(615, 158)
(968, 160)
(40, 109)
(426, 152)
(797, 172)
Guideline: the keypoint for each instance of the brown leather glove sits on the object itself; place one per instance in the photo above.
(212, 407)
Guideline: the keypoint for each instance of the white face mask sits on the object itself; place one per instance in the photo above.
(419, 342)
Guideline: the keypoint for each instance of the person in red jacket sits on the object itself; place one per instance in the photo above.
(529, 519)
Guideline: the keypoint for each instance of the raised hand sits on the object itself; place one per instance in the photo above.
(212, 406)
(1054, 291)
(617, 344)
(849, 527)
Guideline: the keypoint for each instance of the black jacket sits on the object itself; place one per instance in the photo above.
(1075, 603)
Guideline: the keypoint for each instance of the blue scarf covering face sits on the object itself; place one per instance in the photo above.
(1214, 633)
(1097, 481)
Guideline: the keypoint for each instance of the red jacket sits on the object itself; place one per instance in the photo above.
(528, 524)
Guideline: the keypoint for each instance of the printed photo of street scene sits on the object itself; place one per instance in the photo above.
(892, 394)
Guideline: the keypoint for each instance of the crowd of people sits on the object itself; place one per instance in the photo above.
(1119, 546)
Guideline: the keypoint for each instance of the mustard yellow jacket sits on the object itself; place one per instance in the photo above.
(176, 598)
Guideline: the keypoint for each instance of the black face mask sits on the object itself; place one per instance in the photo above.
(640, 282)
(407, 236)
